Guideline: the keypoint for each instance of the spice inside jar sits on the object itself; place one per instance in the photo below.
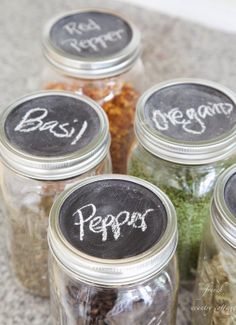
(112, 258)
(186, 137)
(215, 285)
(49, 141)
(102, 61)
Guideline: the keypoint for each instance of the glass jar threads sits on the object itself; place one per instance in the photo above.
(112, 258)
(97, 53)
(186, 137)
(215, 294)
(48, 141)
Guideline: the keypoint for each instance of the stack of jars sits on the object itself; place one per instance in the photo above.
(112, 238)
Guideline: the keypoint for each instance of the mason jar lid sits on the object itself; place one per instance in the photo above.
(53, 135)
(187, 121)
(223, 210)
(112, 230)
(91, 44)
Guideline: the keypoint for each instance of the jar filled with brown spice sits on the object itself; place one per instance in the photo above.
(48, 141)
(97, 53)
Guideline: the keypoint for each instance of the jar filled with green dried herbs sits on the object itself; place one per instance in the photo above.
(215, 292)
(48, 141)
(96, 53)
(186, 137)
(112, 256)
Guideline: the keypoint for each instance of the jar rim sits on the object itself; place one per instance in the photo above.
(222, 218)
(85, 68)
(113, 271)
(57, 167)
(183, 152)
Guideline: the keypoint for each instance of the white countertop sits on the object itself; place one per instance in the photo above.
(219, 14)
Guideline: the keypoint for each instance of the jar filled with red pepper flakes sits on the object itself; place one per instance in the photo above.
(97, 53)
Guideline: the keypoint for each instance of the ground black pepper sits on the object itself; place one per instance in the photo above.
(97, 275)
(137, 305)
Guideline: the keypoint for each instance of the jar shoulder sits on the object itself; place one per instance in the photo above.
(195, 180)
(52, 79)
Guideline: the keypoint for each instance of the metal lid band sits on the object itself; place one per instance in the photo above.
(108, 271)
(179, 151)
(223, 220)
(87, 68)
(58, 167)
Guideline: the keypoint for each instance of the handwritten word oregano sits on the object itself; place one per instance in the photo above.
(191, 118)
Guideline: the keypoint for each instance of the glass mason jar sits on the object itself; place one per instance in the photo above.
(97, 53)
(215, 295)
(185, 133)
(112, 256)
(43, 151)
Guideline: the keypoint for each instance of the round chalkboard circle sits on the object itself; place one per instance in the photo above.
(91, 43)
(113, 228)
(223, 212)
(53, 135)
(190, 121)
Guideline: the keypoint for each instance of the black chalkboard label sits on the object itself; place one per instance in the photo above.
(92, 34)
(52, 125)
(190, 112)
(113, 219)
(230, 194)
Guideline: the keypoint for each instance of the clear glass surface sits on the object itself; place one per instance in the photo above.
(190, 189)
(74, 302)
(117, 95)
(214, 300)
(26, 205)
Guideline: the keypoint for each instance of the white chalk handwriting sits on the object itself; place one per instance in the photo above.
(99, 224)
(95, 43)
(192, 120)
(34, 120)
(74, 28)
